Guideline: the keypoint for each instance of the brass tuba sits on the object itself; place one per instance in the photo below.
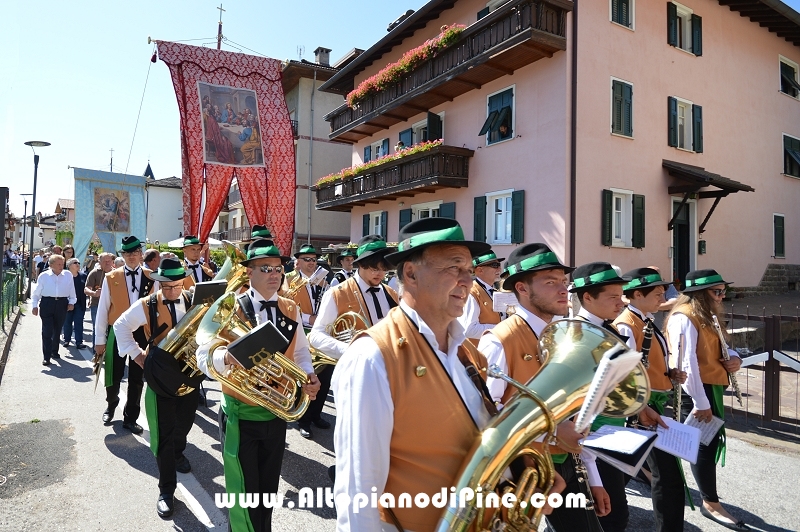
(345, 327)
(274, 383)
(180, 341)
(573, 349)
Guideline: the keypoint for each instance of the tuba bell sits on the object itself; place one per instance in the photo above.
(274, 383)
(573, 350)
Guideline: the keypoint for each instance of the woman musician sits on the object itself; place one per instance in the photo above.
(707, 377)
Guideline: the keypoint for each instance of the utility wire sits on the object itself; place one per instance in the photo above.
(149, 64)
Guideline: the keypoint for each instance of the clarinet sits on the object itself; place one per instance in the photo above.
(646, 343)
(676, 385)
(726, 356)
(583, 481)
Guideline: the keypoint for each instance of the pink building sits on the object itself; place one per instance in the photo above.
(670, 138)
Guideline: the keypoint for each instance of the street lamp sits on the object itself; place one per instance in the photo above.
(25, 228)
(34, 144)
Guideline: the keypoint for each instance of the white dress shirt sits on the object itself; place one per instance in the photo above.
(302, 356)
(131, 320)
(680, 324)
(307, 317)
(346, 274)
(625, 330)
(51, 285)
(197, 273)
(471, 316)
(365, 417)
(104, 303)
(328, 312)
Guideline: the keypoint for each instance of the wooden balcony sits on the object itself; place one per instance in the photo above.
(440, 167)
(511, 37)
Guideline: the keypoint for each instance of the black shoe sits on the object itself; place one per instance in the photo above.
(739, 525)
(321, 424)
(82, 346)
(165, 506)
(65, 343)
(182, 465)
(55, 355)
(305, 431)
(133, 427)
(45, 362)
(108, 415)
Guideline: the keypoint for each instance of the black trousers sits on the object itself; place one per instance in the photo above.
(52, 312)
(614, 482)
(667, 491)
(135, 385)
(314, 411)
(705, 470)
(261, 446)
(565, 519)
(175, 420)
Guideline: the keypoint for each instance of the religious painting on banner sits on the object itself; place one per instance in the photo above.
(230, 125)
(112, 210)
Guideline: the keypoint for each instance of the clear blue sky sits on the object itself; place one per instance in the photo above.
(72, 73)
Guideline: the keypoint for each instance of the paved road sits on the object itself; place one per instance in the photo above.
(65, 470)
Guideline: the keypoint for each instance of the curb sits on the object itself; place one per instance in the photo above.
(9, 340)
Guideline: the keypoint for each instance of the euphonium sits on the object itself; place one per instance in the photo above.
(573, 350)
(274, 383)
(319, 359)
(180, 341)
(295, 283)
(345, 327)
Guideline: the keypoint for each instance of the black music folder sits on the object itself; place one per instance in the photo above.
(623, 447)
(261, 342)
(208, 292)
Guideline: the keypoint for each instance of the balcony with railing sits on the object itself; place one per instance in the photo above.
(237, 234)
(509, 38)
(439, 167)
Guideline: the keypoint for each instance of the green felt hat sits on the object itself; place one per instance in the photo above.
(169, 270)
(421, 234)
(130, 243)
(529, 258)
(595, 274)
(701, 279)
(263, 248)
(370, 246)
(307, 249)
(486, 257)
(644, 278)
(191, 240)
(260, 231)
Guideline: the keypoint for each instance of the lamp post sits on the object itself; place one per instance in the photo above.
(34, 144)
(25, 230)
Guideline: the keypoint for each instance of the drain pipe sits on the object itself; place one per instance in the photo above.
(311, 156)
(573, 178)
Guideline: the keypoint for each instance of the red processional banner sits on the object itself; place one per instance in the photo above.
(234, 122)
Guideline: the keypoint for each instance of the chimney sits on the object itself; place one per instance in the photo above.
(322, 56)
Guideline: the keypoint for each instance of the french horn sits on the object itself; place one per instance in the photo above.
(573, 349)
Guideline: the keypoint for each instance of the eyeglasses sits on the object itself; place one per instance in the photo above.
(494, 265)
(373, 269)
(308, 259)
(719, 291)
(270, 269)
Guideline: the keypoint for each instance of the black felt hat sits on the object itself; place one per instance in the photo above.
(260, 231)
(307, 249)
(263, 249)
(486, 257)
(644, 278)
(420, 234)
(595, 274)
(371, 246)
(346, 252)
(701, 279)
(529, 258)
(130, 244)
(169, 270)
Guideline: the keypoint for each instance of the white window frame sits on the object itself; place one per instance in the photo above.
(796, 67)
(632, 27)
(685, 21)
(611, 109)
(688, 136)
(417, 126)
(513, 115)
(625, 240)
(490, 223)
(375, 222)
(774, 255)
(427, 206)
(375, 147)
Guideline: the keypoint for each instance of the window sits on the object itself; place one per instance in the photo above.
(499, 124)
(425, 210)
(622, 12)
(685, 125)
(491, 5)
(374, 223)
(499, 218)
(379, 149)
(779, 237)
(432, 128)
(789, 82)
(623, 219)
(791, 156)
(684, 29)
(621, 108)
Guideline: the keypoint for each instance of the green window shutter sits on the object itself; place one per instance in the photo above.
(608, 206)
(447, 210)
(697, 35)
(483, 12)
(638, 221)
(406, 137)
(616, 118)
(625, 12)
(405, 217)
(627, 110)
(780, 242)
(672, 113)
(367, 154)
(384, 223)
(384, 147)
(518, 217)
(697, 128)
(434, 127)
(479, 219)
(672, 24)
(365, 225)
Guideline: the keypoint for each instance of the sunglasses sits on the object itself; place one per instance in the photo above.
(308, 259)
(719, 291)
(494, 265)
(270, 269)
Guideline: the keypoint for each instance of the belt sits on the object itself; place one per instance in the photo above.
(54, 298)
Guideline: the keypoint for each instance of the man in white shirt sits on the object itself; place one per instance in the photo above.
(408, 411)
(192, 249)
(309, 296)
(53, 297)
(346, 260)
(479, 315)
(169, 415)
(253, 438)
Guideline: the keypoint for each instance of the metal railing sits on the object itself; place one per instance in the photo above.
(237, 234)
(13, 292)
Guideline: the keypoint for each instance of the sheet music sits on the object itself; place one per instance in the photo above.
(621, 439)
(319, 274)
(502, 300)
(678, 440)
(707, 430)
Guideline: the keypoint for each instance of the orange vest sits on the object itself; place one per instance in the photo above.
(348, 298)
(118, 292)
(487, 315)
(301, 298)
(658, 366)
(422, 460)
(189, 281)
(163, 317)
(709, 350)
(286, 307)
